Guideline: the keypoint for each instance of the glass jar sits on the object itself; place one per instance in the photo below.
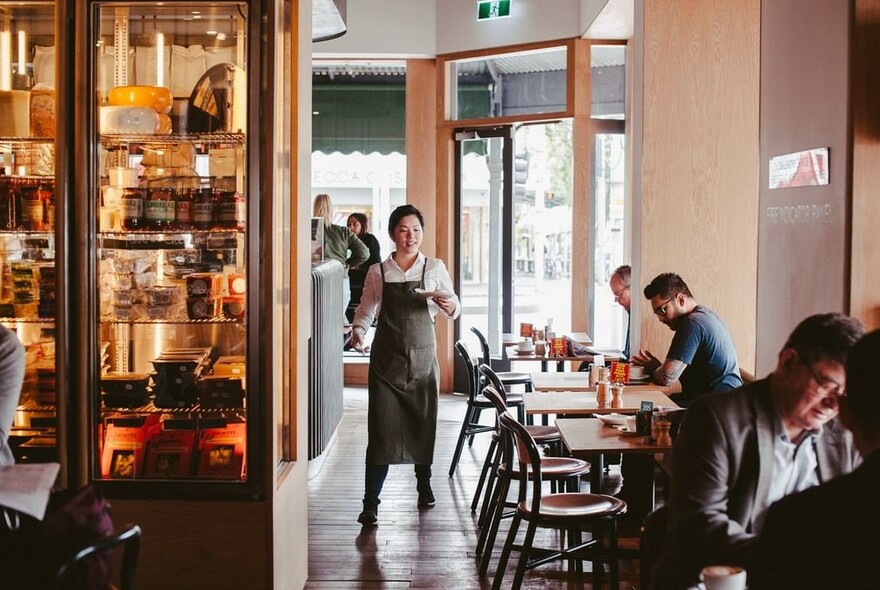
(231, 210)
(133, 208)
(159, 208)
(33, 210)
(204, 208)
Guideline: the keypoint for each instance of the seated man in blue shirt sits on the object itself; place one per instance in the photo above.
(701, 355)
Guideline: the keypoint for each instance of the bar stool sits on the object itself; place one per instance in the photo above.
(569, 512)
(476, 403)
(508, 378)
(559, 471)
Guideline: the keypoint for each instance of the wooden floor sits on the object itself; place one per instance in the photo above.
(411, 548)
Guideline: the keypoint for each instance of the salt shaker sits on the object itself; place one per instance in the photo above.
(603, 396)
(662, 436)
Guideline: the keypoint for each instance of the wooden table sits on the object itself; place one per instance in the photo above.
(565, 402)
(589, 439)
(580, 381)
(580, 337)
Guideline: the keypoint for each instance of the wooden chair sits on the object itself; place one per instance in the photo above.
(544, 435)
(508, 378)
(561, 472)
(129, 538)
(476, 403)
(569, 512)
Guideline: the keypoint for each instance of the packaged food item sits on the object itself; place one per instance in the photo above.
(234, 308)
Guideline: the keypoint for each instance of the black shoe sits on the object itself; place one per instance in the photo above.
(426, 497)
(368, 518)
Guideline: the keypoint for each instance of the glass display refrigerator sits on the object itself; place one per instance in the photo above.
(164, 229)
(28, 291)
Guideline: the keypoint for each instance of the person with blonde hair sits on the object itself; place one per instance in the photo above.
(340, 243)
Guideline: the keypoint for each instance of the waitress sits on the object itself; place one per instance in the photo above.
(404, 374)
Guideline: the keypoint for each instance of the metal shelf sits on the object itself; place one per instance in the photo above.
(174, 139)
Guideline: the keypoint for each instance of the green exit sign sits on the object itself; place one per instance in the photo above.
(489, 9)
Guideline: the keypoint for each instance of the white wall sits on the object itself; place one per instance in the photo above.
(425, 28)
(385, 29)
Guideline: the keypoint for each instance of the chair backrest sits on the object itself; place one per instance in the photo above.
(491, 379)
(130, 537)
(652, 540)
(484, 346)
(470, 366)
(529, 460)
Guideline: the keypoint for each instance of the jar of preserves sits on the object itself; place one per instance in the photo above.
(204, 208)
(47, 195)
(159, 208)
(231, 210)
(133, 208)
(33, 210)
(183, 213)
(8, 203)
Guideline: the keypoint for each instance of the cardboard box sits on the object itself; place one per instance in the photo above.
(125, 442)
(169, 453)
(221, 451)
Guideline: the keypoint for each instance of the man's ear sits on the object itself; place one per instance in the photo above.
(787, 360)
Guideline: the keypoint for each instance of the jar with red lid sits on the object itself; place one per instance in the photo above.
(231, 210)
(133, 208)
(159, 208)
(204, 208)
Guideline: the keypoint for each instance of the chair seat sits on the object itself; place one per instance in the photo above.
(555, 468)
(544, 434)
(514, 378)
(569, 507)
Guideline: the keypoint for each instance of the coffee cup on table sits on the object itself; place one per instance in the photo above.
(631, 423)
(525, 345)
(636, 372)
(723, 577)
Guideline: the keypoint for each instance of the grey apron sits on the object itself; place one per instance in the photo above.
(403, 379)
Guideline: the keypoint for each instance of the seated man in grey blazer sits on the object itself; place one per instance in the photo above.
(827, 536)
(11, 377)
(741, 450)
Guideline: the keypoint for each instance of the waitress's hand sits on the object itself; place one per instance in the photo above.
(357, 340)
(444, 303)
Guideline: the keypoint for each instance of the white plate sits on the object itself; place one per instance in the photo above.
(430, 294)
(639, 379)
(525, 352)
(626, 431)
(612, 419)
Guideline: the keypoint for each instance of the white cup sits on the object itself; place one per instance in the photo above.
(723, 577)
(525, 346)
(631, 423)
(636, 372)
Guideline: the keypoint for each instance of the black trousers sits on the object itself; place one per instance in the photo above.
(374, 479)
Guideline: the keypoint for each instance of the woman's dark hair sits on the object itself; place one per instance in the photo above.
(667, 285)
(399, 214)
(862, 386)
(825, 337)
(362, 219)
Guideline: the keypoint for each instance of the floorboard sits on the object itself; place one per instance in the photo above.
(412, 548)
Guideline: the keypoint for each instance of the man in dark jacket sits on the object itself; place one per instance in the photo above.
(828, 536)
(739, 451)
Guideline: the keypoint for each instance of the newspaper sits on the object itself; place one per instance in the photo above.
(26, 487)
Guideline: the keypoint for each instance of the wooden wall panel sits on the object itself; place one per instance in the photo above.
(582, 184)
(699, 168)
(865, 96)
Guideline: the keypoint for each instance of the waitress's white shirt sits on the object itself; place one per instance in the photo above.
(436, 279)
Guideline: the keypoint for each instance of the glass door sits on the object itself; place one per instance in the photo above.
(28, 285)
(172, 195)
(484, 192)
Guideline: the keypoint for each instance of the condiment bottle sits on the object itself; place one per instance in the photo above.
(33, 210)
(617, 395)
(603, 395)
(47, 195)
(540, 348)
(133, 208)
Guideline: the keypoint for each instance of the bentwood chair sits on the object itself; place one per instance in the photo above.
(569, 512)
(559, 471)
(129, 538)
(544, 435)
(508, 378)
(476, 403)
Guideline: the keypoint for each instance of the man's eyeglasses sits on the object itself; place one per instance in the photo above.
(661, 309)
(827, 385)
(619, 294)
